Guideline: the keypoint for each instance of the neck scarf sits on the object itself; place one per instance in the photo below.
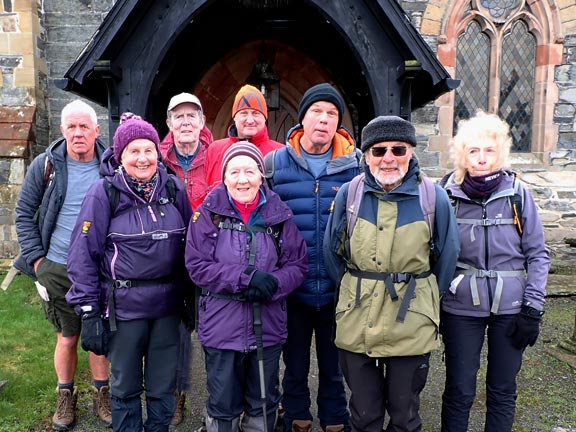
(481, 186)
(144, 188)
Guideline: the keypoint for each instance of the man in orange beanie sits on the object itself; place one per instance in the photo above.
(249, 113)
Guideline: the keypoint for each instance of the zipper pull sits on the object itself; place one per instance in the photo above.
(152, 214)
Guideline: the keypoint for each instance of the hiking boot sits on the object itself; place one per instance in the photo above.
(334, 428)
(101, 404)
(301, 425)
(179, 411)
(64, 417)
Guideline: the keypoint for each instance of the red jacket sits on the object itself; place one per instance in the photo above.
(195, 177)
(215, 153)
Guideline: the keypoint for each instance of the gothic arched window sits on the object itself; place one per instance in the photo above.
(504, 53)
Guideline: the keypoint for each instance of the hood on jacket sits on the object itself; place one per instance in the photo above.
(342, 144)
(406, 187)
(57, 151)
(108, 164)
(258, 139)
(205, 138)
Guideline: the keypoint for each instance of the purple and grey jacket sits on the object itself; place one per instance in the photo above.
(510, 270)
(217, 261)
(139, 247)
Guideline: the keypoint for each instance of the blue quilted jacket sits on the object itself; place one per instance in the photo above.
(310, 199)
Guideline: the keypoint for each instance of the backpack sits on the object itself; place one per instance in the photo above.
(113, 194)
(427, 196)
(516, 201)
(273, 231)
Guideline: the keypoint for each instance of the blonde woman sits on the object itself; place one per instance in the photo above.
(500, 281)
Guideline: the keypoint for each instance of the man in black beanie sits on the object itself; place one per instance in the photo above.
(321, 92)
(392, 261)
(320, 155)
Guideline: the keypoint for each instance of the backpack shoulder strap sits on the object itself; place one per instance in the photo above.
(273, 231)
(269, 161)
(427, 195)
(48, 171)
(517, 204)
(444, 180)
(171, 188)
(113, 196)
(353, 200)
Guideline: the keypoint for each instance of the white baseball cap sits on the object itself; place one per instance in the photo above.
(184, 98)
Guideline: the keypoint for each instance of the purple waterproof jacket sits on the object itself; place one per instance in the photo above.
(143, 245)
(217, 261)
(498, 247)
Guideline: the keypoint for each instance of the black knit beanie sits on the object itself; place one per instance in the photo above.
(321, 92)
(387, 128)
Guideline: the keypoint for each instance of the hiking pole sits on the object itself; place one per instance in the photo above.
(260, 356)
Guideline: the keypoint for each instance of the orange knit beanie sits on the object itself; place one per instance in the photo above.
(249, 97)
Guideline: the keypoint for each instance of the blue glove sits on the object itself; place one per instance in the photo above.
(261, 288)
(95, 334)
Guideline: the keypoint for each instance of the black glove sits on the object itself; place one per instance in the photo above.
(95, 333)
(525, 329)
(262, 287)
(254, 295)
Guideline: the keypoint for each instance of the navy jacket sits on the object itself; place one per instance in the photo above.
(310, 198)
(39, 204)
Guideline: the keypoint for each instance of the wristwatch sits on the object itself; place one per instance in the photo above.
(530, 311)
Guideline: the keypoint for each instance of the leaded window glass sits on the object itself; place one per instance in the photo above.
(472, 68)
(517, 84)
(500, 10)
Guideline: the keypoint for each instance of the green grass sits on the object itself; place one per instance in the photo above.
(27, 343)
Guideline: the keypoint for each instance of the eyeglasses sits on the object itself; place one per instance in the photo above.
(397, 150)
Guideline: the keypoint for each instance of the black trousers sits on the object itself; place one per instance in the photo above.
(377, 386)
(143, 356)
(464, 338)
(233, 382)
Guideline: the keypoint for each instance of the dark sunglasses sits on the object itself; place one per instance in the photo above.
(397, 150)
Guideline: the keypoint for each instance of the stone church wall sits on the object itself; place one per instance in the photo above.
(39, 40)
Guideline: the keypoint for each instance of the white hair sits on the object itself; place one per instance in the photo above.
(78, 106)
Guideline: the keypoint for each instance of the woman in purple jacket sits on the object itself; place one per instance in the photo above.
(501, 276)
(128, 276)
(247, 255)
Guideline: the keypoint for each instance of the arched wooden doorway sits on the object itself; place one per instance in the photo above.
(295, 70)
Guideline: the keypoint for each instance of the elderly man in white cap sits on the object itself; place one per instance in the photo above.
(184, 148)
(183, 152)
